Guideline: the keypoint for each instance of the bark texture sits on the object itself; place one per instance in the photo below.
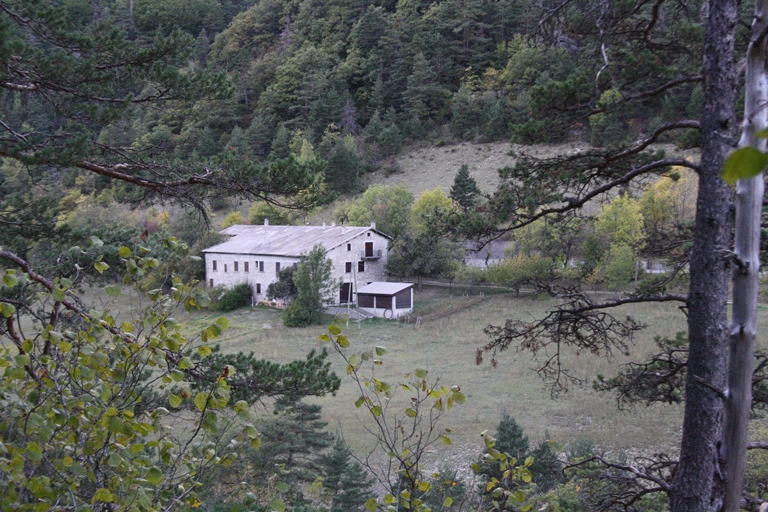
(698, 484)
(749, 204)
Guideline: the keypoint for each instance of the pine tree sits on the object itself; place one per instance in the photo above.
(292, 441)
(346, 481)
(464, 189)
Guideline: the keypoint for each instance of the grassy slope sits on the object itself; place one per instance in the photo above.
(446, 347)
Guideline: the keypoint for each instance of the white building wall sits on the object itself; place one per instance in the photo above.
(230, 269)
(224, 273)
(352, 252)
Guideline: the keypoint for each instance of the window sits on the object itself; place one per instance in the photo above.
(277, 266)
(349, 247)
(361, 266)
(348, 267)
(235, 266)
(245, 266)
(214, 265)
(261, 266)
(258, 288)
(225, 268)
(210, 283)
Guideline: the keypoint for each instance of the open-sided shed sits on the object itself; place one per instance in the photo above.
(386, 300)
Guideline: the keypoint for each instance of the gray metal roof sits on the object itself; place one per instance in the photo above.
(381, 288)
(285, 240)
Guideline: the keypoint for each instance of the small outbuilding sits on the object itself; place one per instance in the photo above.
(386, 300)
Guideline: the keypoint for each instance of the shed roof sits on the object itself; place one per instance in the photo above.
(285, 240)
(381, 288)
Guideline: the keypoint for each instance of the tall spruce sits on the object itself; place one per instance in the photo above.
(464, 189)
(347, 483)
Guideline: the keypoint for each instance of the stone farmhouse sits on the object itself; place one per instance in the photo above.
(255, 254)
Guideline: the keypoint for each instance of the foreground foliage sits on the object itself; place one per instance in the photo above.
(84, 426)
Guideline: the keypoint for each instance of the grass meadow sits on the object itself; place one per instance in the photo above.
(446, 348)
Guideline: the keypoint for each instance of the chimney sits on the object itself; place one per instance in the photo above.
(373, 224)
(266, 221)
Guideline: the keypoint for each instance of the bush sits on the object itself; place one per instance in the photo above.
(235, 298)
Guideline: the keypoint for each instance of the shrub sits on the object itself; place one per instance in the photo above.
(235, 298)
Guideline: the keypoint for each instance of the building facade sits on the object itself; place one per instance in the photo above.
(256, 254)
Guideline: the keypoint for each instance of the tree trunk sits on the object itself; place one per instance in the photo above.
(749, 202)
(698, 484)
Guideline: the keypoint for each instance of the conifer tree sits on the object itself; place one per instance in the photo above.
(292, 441)
(464, 189)
(347, 483)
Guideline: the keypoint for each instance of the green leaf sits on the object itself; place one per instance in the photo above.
(334, 330)
(411, 413)
(174, 401)
(7, 310)
(34, 452)
(124, 252)
(282, 487)
(103, 495)
(445, 439)
(380, 351)
(154, 475)
(10, 280)
(115, 425)
(342, 341)
(100, 266)
(420, 373)
(113, 291)
(743, 163)
(201, 399)
(58, 294)
(359, 402)
(241, 406)
(371, 505)
(277, 505)
(204, 351)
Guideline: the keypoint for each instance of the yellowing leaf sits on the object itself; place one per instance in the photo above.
(371, 505)
(103, 495)
(174, 401)
(201, 400)
(743, 163)
(10, 280)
